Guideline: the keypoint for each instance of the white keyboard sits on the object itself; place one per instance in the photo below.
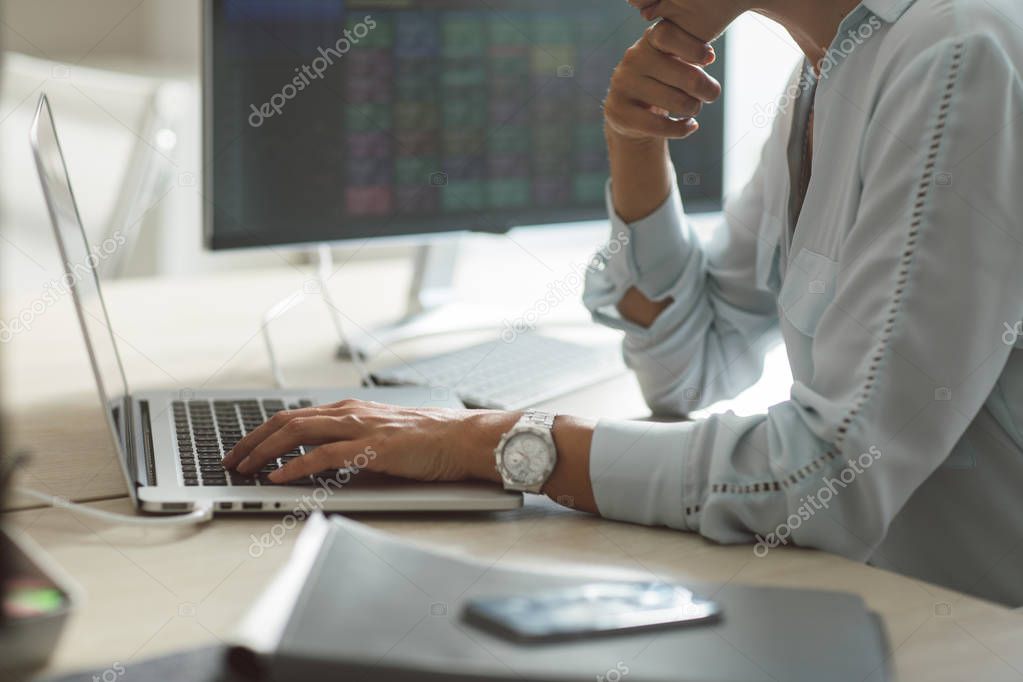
(513, 375)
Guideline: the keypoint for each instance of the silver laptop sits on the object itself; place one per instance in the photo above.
(170, 446)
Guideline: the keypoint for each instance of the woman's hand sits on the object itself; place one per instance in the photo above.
(656, 92)
(425, 444)
(660, 86)
(421, 444)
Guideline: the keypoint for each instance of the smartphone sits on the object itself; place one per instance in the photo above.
(589, 610)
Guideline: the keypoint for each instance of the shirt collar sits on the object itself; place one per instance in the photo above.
(888, 10)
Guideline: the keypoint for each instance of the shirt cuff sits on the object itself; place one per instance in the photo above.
(655, 247)
(650, 254)
(636, 471)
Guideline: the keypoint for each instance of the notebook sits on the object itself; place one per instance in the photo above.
(357, 604)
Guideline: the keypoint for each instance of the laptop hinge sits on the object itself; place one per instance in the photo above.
(132, 430)
(145, 444)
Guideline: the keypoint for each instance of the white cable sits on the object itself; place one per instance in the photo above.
(200, 515)
(278, 309)
(324, 271)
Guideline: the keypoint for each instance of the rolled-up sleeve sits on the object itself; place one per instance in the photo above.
(650, 254)
(709, 342)
(904, 355)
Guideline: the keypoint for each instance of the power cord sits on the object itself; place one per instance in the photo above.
(324, 270)
(202, 514)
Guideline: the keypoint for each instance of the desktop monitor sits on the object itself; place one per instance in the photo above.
(332, 120)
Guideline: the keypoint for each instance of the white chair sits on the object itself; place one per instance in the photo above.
(119, 136)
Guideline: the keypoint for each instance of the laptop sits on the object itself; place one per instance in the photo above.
(170, 445)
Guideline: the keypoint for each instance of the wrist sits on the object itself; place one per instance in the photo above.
(569, 484)
(641, 174)
(483, 432)
(622, 142)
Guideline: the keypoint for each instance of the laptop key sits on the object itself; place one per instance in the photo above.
(206, 429)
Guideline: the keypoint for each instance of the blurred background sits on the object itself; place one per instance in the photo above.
(124, 78)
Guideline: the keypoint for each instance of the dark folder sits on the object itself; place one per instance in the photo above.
(357, 604)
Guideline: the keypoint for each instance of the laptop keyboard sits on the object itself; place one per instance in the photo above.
(206, 430)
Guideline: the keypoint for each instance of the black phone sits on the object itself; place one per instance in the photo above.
(589, 610)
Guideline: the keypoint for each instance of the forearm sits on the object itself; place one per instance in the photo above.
(641, 180)
(641, 175)
(568, 485)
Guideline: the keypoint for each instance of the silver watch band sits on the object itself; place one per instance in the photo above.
(545, 419)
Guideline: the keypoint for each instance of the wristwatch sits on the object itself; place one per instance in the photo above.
(526, 455)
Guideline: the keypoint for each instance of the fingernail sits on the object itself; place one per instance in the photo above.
(709, 55)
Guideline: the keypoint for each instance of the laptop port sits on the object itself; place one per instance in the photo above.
(174, 506)
(252, 505)
(225, 505)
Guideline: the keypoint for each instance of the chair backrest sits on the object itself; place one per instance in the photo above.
(107, 117)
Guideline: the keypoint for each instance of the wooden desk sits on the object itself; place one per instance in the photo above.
(154, 591)
(150, 592)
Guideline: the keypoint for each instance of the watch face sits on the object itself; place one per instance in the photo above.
(526, 458)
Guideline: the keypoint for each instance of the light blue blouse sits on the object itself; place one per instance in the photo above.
(898, 293)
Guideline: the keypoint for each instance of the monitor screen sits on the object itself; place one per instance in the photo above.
(332, 120)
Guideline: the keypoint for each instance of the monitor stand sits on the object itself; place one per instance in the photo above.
(432, 307)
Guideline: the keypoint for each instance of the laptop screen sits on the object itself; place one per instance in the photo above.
(79, 260)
